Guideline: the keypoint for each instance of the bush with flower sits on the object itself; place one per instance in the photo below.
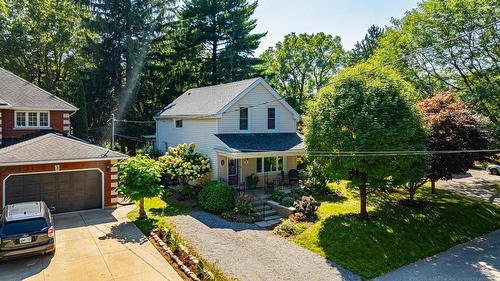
(184, 164)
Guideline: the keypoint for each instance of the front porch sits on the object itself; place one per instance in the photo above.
(258, 175)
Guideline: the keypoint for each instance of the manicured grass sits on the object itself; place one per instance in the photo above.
(400, 235)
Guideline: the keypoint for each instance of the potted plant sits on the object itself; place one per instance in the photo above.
(251, 181)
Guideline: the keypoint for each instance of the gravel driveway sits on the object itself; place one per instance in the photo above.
(476, 184)
(249, 253)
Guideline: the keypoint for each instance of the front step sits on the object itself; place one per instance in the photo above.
(265, 214)
(268, 224)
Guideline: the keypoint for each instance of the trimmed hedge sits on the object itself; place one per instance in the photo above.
(216, 197)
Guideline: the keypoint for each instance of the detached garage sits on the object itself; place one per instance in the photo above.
(67, 174)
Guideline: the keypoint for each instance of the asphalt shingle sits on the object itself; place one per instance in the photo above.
(206, 100)
(53, 147)
(263, 142)
(16, 92)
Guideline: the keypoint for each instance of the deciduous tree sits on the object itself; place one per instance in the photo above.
(452, 128)
(139, 178)
(364, 111)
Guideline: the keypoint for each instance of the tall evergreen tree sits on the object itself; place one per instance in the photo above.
(79, 122)
(222, 31)
(364, 49)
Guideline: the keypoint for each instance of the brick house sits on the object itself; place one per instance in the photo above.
(40, 160)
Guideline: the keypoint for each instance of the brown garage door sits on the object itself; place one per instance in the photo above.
(66, 191)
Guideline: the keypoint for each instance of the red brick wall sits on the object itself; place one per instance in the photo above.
(104, 166)
(8, 123)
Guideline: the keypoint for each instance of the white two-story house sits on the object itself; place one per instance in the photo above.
(245, 128)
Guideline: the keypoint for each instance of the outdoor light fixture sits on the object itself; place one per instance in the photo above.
(246, 161)
(222, 162)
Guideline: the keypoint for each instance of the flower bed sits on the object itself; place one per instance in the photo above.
(179, 255)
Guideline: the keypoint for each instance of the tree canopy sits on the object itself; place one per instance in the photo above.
(302, 64)
(364, 112)
(365, 48)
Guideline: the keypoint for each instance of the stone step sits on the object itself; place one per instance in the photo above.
(272, 218)
(268, 223)
(266, 213)
(262, 207)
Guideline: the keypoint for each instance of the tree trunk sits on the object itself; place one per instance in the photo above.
(412, 195)
(142, 212)
(363, 214)
(433, 186)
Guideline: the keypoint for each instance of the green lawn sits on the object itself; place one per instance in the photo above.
(400, 235)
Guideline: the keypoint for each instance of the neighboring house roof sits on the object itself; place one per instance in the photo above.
(17, 93)
(212, 100)
(263, 142)
(53, 148)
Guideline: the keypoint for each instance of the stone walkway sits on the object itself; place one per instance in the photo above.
(475, 260)
(247, 252)
(475, 184)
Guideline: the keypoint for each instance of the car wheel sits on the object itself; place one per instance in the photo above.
(495, 172)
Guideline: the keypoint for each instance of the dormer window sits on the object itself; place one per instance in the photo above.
(32, 119)
(244, 118)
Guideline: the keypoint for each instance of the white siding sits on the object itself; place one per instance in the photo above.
(198, 131)
(229, 123)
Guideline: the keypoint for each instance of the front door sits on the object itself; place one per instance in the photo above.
(232, 173)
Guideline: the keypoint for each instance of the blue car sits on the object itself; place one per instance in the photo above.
(26, 229)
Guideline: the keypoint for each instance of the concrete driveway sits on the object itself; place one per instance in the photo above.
(475, 260)
(94, 245)
(476, 184)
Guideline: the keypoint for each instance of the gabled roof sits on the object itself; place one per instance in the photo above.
(53, 148)
(212, 100)
(17, 93)
(263, 142)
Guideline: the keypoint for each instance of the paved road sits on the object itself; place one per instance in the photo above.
(94, 245)
(475, 184)
(475, 260)
(247, 252)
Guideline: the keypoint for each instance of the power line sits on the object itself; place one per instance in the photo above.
(384, 153)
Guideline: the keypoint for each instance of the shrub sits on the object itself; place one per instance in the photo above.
(243, 205)
(287, 201)
(307, 207)
(289, 228)
(277, 195)
(297, 193)
(216, 197)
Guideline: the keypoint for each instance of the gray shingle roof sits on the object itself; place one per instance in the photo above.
(263, 142)
(206, 100)
(16, 92)
(53, 147)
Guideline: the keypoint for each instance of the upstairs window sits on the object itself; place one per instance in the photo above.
(178, 123)
(271, 118)
(32, 119)
(244, 118)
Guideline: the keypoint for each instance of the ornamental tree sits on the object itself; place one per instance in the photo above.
(184, 164)
(452, 127)
(139, 178)
(364, 110)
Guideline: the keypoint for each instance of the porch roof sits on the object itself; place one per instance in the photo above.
(263, 143)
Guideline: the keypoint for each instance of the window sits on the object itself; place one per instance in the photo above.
(32, 119)
(270, 164)
(271, 118)
(243, 118)
(44, 119)
(178, 123)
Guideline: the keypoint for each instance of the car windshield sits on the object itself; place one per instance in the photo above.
(23, 226)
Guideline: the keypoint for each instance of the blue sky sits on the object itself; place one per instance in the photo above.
(348, 19)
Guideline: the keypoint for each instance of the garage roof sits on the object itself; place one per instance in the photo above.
(54, 148)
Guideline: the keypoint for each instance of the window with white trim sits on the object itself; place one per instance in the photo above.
(243, 118)
(269, 164)
(271, 118)
(32, 119)
(178, 123)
